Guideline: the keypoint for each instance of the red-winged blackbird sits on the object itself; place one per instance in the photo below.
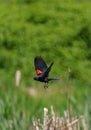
(42, 71)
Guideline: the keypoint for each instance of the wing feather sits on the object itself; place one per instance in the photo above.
(40, 65)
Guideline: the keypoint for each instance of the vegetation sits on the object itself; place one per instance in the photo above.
(59, 123)
(59, 31)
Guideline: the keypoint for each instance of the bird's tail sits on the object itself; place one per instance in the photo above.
(49, 79)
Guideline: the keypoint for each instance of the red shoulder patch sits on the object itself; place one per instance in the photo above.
(38, 72)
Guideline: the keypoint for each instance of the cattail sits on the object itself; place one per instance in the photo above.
(68, 122)
(17, 78)
(45, 119)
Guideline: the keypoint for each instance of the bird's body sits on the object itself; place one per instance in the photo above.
(42, 70)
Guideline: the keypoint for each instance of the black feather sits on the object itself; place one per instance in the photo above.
(40, 64)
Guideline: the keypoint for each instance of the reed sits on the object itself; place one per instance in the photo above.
(53, 122)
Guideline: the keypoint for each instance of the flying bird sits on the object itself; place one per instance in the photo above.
(42, 71)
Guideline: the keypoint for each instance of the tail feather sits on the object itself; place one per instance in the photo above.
(49, 79)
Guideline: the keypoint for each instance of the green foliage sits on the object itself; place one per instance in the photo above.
(59, 31)
(40, 27)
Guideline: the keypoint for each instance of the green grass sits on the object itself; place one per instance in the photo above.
(20, 107)
(59, 31)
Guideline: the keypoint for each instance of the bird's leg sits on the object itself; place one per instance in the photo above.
(46, 85)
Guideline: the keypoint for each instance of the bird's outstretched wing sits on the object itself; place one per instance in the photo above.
(46, 73)
(40, 65)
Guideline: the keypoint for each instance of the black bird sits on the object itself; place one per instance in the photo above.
(42, 71)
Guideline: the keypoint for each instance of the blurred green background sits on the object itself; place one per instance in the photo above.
(59, 31)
